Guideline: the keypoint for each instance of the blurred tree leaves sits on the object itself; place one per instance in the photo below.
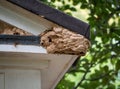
(101, 65)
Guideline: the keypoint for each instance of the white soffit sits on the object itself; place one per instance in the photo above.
(23, 19)
(52, 66)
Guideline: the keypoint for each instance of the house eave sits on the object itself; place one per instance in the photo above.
(23, 19)
(21, 14)
(54, 16)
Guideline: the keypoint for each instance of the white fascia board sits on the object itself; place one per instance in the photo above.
(22, 56)
(23, 19)
(22, 48)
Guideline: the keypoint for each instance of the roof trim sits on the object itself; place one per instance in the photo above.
(54, 15)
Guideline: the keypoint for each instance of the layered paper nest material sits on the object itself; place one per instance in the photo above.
(62, 41)
(58, 40)
(8, 29)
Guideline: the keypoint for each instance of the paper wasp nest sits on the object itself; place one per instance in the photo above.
(57, 40)
(11, 30)
(62, 41)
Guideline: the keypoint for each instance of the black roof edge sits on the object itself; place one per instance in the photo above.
(55, 16)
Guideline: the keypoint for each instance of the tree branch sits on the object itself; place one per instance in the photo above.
(83, 78)
(100, 77)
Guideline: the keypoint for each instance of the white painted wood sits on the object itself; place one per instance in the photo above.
(23, 60)
(2, 80)
(58, 66)
(51, 72)
(23, 19)
(66, 67)
(20, 79)
(22, 48)
(24, 64)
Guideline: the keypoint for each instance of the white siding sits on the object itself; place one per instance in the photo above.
(20, 79)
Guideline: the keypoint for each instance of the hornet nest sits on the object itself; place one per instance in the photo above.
(62, 41)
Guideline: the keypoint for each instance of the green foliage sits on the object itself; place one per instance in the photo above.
(67, 84)
(99, 69)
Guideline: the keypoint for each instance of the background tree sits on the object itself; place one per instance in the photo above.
(100, 69)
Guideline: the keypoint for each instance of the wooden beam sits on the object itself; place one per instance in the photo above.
(22, 48)
(22, 61)
(17, 39)
(23, 19)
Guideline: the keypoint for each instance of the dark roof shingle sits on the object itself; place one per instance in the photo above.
(55, 16)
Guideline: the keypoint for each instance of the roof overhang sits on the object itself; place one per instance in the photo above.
(23, 19)
(53, 66)
(53, 15)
